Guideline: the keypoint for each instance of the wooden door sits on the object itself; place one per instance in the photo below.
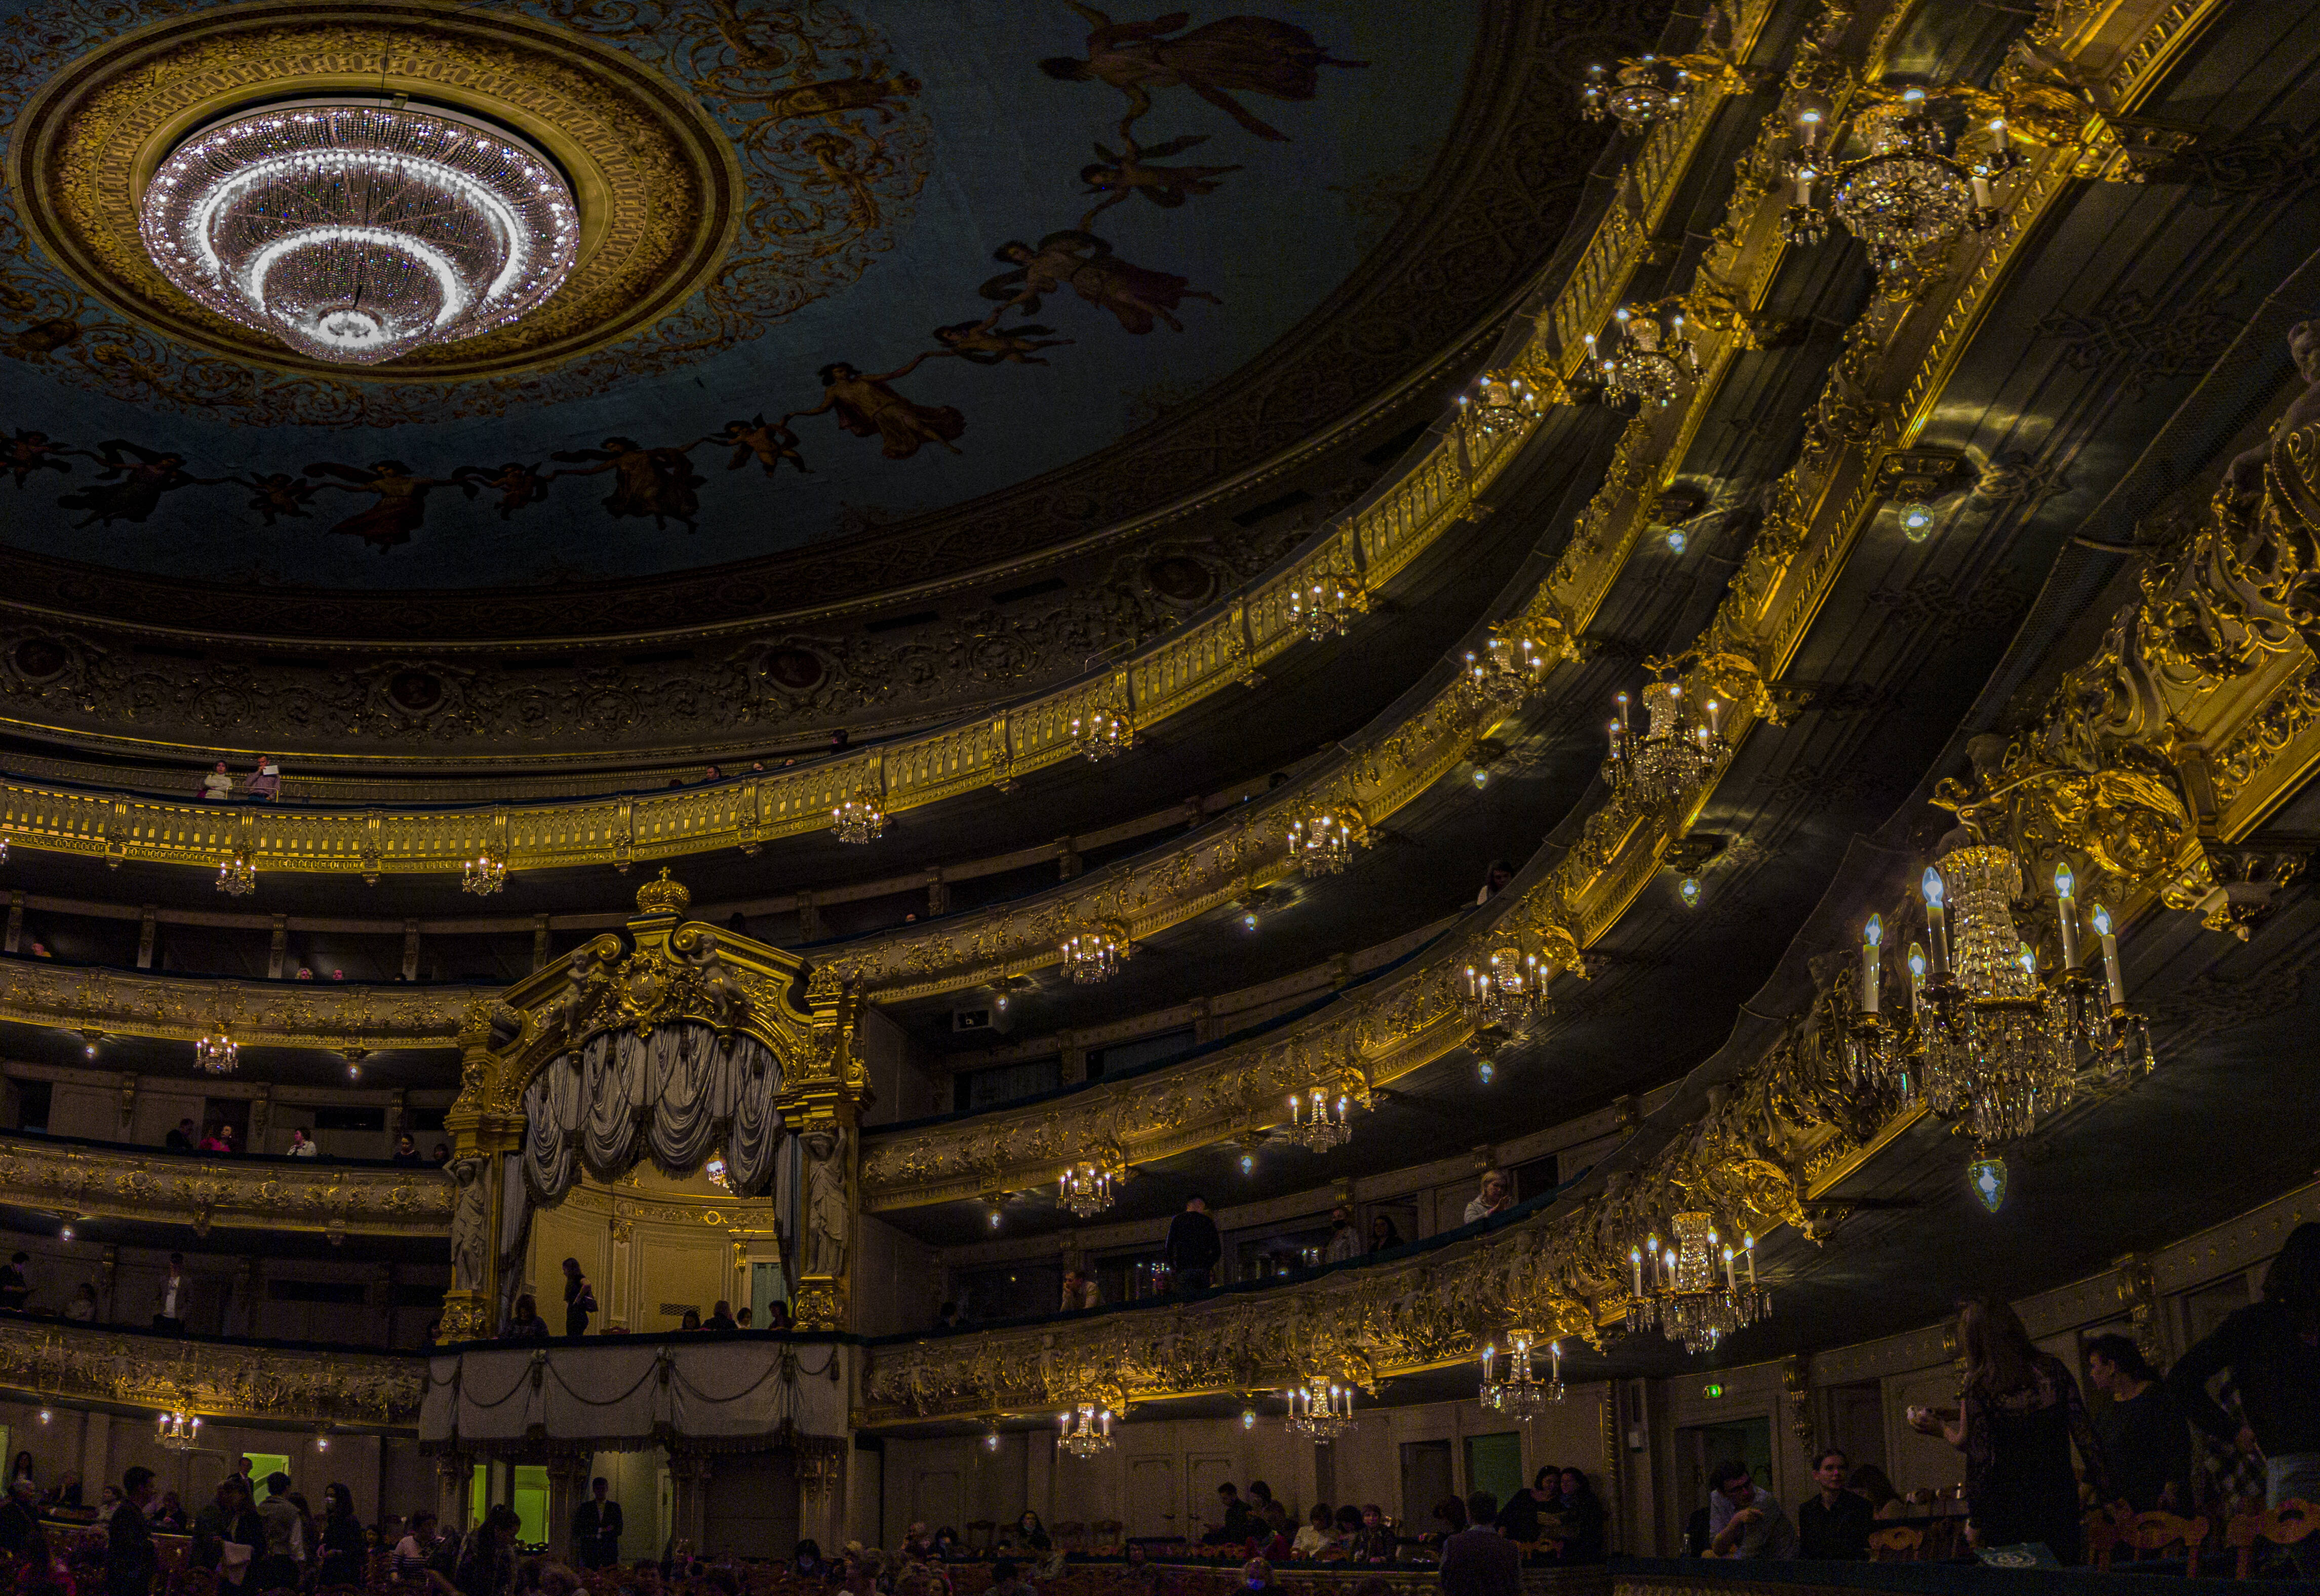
(1152, 1497)
(1203, 1472)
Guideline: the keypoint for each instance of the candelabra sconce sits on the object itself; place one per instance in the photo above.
(1682, 743)
(1102, 732)
(1505, 671)
(484, 876)
(861, 818)
(178, 1432)
(1507, 990)
(1324, 605)
(1084, 1431)
(1644, 92)
(216, 1053)
(1088, 1187)
(237, 877)
(1502, 404)
(1677, 1291)
(1644, 358)
(1320, 1409)
(1320, 1118)
(1905, 190)
(1324, 844)
(1510, 1381)
(1095, 951)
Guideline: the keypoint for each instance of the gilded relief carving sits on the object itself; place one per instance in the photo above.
(179, 1191)
(229, 1382)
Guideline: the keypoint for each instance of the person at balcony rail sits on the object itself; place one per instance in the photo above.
(406, 1152)
(1383, 1233)
(1519, 1520)
(1497, 1195)
(15, 1291)
(173, 1297)
(1581, 1513)
(1080, 1290)
(721, 1317)
(2273, 1350)
(1478, 1561)
(1494, 881)
(596, 1527)
(1743, 1521)
(1833, 1525)
(524, 1324)
(181, 1140)
(579, 1298)
(2144, 1435)
(1193, 1247)
(220, 1140)
(82, 1309)
(1319, 1531)
(266, 781)
(1345, 1241)
(217, 787)
(302, 1145)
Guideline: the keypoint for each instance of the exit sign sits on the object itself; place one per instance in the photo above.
(1711, 1390)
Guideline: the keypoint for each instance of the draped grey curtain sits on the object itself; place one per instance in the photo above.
(675, 1097)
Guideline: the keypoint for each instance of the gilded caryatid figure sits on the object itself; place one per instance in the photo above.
(829, 1218)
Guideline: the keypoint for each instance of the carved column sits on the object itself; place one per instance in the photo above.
(689, 1489)
(824, 1103)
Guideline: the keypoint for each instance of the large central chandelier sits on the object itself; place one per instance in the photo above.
(1319, 1410)
(1678, 749)
(1677, 1291)
(357, 230)
(1085, 1430)
(1511, 1385)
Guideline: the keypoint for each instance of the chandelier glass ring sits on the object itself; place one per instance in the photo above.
(356, 230)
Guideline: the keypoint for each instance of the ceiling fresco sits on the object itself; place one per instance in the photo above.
(847, 265)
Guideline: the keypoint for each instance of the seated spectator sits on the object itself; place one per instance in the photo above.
(441, 1155)
(181, 1140)
(1451, 1514)
(691, 1322)
(721, 1317)
(1383, 1233)
(406, 1152)
(1833, 1525)
(1378, 1538)
(217, 787)
(777, 1316)
(1743, 1521)
(1494, 881)
(742, 1318)
(1870, 1483)
(1319, 1531)
(525, 1324)
(1344, 1532)
(1080, 1290)
(169, 1517)
(266, 781)
(82, 1309)
(1497, 1196)
(1580, 1512)
(219, 1140)
(15, 1290)
(302, 1145)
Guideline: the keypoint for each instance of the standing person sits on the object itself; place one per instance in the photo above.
(173, 1298)
(1520, 1519)
(266, 781)
(1345, 1241)
(596, 1527)
(1497, 1195)
(486, 1563)
(1235, 1528)
(20, 1516)
(1743, 1521)
(1193, 1247)
(416, 1549)
(1478, 1561)
(579, 1298)
(15, 1291)
(131, 1561)
(2146, 1438)
(1833, 1527)
(274, 1567)
(344, 1553)
(2273, 1350)
(2017, 1419)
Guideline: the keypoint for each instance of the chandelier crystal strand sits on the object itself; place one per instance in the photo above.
(1651, 363)
(1084, 1431)
(1677, 752)
(356, 230)
(1510, 1384)
(1094, 952)
(1693, 1290)
(1320, 1409)
(1101, 732)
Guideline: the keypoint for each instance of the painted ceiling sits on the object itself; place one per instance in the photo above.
(969, 243)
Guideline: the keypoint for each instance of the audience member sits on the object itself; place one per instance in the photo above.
(82, 1309)
(946, 1317)
(131, 1560)
(691, 1322)
(1581, 1514)
(579, 1300)
(2271, 1349)
(745, 1318)
(1319, 1531)
(721, 1317)
(266, 781)
(1743, 1521)
(1497, 1195)
(219, 1140)
(1192, 1248)
(1080, 1290)
(406, 1151)
(487, 1561)
(302, 1145)
(441, 1155)
(15, 1290)
(1235, 1527)
(777, 1316)
(20, 1517)
(806, 1560)
(2017, 1417)
(1494, 881)
(1345, 1241)
(172, 1298)
(2146, 1438)
(1383, 1233)
(416, 1551)
(181, 1140)
(24, 1468)
(596, 1527)
(1833, 1525)
(524, 1323)
(1478, 1561)
(345, 1552)
(276, 1567)
(1871, 1484)
(217, 787)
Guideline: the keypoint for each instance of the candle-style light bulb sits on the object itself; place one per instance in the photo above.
(1748, 1246)
(1935, 926)
(1872, 938)
(2065, 904)
(2101, 921)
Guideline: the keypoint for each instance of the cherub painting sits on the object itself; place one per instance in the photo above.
(868, 407)
(661, 483)
(402, 503)
(1118, 176)
(1251, 55)
(986, 343)
(133, 481)
(1084, 263)
(768, 442)
(28, 452)
(278, 493)
(517, 484)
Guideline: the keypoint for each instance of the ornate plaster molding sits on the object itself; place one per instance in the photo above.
(261, 1013)
(209, 1192)
(371, 1389)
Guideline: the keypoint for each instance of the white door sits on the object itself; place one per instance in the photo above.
(1152, 1497)
(1203, 1472)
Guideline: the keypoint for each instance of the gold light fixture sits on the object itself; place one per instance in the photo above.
(1087, 1186)
(1320, 1409)
(1502, 404)
(1652, 362)
(1323, 843)
(1084, 1431)
(861, 818)
(237, 877)
(1677, 1291)
(484, 876)
(1319, 1119)
(1510, 1383)
(1323, 605)
(216, 1053)
(1103, 731)
(1505, 671)
(1507, 990)
(1646, 91)
(178, 1432)
(1677, 750)
(1905, 192)
(1095, 951)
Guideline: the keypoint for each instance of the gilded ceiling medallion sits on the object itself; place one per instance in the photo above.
(657, 182)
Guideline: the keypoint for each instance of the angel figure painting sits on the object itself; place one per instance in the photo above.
(133, 481)
(661, 483)
(1084, 263)
(987, 343)
(402, 505)
(869, 407)
(1235, 55)
(1122, 176)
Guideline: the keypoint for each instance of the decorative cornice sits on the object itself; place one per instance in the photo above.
(213, 1192)
(270, 1013)
(367, 1389)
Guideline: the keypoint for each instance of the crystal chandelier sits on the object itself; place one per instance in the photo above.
(178, 1432)
(1325, 604)
(1094, 952)
(1317, 1122)
(1647, 90)
(1092, 1435)
(860, 819)
(1323, 844)
(1102, 732)
(216, 1053)
(1502, 404)
(354, 231)
(1904, 193)
(1086, 1187)
(1319, 1410)
(1653, 363)
(237, 876)
(1682, 1298)
(1506, 992)
(484, 876)
(1508, 670)
(1511, 1387)
(1676, 752)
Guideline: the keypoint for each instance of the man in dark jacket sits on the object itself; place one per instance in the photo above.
(1193, 1247)
(20, 1517)
(1479, 1561)
(596, 1527)
(1833, 1525)
(129, 1560)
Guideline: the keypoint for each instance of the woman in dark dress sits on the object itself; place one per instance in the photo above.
(1581, 1513)
(344, 1555)
(2017, 1417)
